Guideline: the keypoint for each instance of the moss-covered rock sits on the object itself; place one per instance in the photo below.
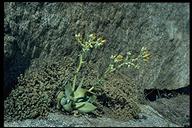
(119, 95)
(34, 95)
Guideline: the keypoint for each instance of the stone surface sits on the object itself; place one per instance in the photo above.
(35, 31)
(41, 29)
(175, 109)
(148, 118)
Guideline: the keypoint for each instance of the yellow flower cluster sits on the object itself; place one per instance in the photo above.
(91, 42)
(119, 60)
(145, 54)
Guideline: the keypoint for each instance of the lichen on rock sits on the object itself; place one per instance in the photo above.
(119, 95)
(35, 92)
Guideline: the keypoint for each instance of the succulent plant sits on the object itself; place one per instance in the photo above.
(79, 99)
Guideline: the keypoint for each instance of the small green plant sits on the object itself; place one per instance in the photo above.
(78, 98)
(81, 99)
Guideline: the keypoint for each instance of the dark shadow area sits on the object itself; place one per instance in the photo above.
(13, 67)
(154, 94)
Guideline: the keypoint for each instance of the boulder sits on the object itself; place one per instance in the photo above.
(41, 30)
(148, 118)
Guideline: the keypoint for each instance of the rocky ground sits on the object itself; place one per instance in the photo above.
(175, 109)
(163, 112)
(147, 118)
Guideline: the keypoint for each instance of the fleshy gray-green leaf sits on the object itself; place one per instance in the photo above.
(68, 106)
(59, 97)
(85, 107)
(63, 101)
(80, 92)
(92, 99)
(79, 104)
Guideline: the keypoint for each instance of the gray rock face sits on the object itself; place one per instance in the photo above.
(40, 30)
(176, 109)
(149, 118)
